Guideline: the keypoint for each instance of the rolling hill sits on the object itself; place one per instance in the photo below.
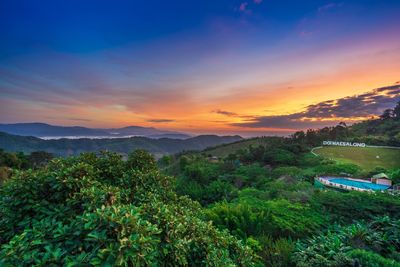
(230, 148)
(66, 147)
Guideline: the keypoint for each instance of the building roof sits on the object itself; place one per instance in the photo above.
(380, 176)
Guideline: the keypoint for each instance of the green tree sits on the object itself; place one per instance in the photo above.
(396, 111)
(39, 158)
(141, 160)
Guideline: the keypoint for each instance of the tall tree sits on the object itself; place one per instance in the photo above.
(387, 114)
(396, 111)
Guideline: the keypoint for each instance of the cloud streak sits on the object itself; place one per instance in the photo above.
(225, 113)
(160, 120)
(329, 6)
(232, 114)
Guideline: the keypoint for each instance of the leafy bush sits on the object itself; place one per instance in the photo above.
(395, 176)
(201, 171)
(91, 210)
(291, 171)
(280, 157)
(251, 175)
(255, 217)
(276, 253)
(346, 207)
(5, 173)
(342, 246)
(141, 160)
(370, 259)
(337, 169)
(217, 190)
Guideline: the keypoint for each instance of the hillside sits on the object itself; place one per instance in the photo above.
(367, 158)
(224, 150)
(382, 131)
(66, 147)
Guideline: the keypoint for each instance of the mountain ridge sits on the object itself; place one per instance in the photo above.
(68, 147)
(48, 131)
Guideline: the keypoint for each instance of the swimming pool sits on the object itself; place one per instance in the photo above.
(358, 184)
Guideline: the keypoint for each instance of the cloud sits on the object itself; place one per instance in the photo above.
(243, 6)
(306, 33)
(89, 85)
(224, 112)
(68, 118)
(220, 121)
(232, 114)
(331, 112)
(79, 119)
(160, 120)
(329, 6)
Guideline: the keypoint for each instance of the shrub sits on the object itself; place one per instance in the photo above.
(255, 217)
(370, 259)
(346, 207)
(276, 253)
(91, 210)
(141, 160)
(368, 243)
(337, 169)
(291, 171)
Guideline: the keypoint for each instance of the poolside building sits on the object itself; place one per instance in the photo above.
(381, 178)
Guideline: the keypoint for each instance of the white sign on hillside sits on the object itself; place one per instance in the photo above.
(340, 143)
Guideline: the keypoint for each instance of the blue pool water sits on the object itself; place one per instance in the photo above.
(363, 185)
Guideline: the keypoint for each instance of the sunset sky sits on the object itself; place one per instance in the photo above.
(249, 67)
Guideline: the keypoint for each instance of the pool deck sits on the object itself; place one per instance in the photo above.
(327, 182)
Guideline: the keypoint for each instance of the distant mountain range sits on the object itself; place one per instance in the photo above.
(67, 147)
(47, 131)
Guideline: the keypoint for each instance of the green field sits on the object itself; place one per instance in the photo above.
(368, 158)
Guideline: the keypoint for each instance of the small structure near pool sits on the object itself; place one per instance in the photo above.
(381, 178)
(352, 184)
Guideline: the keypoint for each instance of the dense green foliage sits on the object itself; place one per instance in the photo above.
(267, 199)
(347, 207)
(370, 244)
(91, 210)
(10, 161)
(385, 130)
(22, 161)
(261, 191)
(251, 216)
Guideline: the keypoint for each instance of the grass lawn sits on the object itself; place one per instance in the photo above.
(368, 157)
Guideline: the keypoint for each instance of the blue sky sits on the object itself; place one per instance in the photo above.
(171, 64)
